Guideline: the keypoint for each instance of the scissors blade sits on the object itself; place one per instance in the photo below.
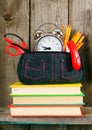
(22, 47)
(8, 40)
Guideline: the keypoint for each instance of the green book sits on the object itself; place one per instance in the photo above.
(73, 99)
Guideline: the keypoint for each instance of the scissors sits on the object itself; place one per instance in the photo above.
(20, 48)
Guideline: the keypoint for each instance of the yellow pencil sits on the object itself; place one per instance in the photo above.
(67, 36)
(80, 40)
(76, 37)
(80, 45)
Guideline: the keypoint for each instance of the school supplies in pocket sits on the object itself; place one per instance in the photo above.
(46, 67)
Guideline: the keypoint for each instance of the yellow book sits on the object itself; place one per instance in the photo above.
(19, 84)
(48, 89)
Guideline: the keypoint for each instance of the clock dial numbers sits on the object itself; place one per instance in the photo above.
(49, 43)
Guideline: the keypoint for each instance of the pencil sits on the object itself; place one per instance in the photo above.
(80, 40)
(76, 37)
(80, 45)
(67, 36)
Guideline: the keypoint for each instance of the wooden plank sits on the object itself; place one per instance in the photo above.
(51, 121)
(47, 127)
(80, 127)
(80, 17)
(2, 27)
(48, 11)
(1, 127)
(42, 127)
(87, 127)
(73, 127)
(62, 127)
(80, 14)
(15, 127)
(14, 17)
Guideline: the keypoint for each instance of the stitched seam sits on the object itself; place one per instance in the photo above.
(27, 68)
(62, 73)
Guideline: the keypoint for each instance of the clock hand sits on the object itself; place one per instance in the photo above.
(46, 48)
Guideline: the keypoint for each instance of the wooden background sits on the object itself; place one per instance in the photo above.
(23, 17)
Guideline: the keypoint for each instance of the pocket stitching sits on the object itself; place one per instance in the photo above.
(65, 77)
(30, 68)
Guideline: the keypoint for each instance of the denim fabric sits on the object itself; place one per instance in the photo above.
(48, 68)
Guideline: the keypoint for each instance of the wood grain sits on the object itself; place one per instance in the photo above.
(80, 17)
(47, 127)
(48, 121)
(48, 11)
(81, 127)
(15, 127)
(14, 20)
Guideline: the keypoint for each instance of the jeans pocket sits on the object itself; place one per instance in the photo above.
(67, 72)
(35, 70)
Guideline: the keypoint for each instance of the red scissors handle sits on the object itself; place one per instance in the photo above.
(19, 48)
(16, 52)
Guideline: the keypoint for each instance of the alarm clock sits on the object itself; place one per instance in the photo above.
(48, 41)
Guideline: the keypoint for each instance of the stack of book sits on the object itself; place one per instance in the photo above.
(46, 100)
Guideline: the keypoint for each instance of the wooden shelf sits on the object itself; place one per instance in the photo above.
(86, 119)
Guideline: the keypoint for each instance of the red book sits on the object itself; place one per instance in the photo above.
(45, 111)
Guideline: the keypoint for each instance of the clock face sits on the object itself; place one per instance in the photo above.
(49, 43)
